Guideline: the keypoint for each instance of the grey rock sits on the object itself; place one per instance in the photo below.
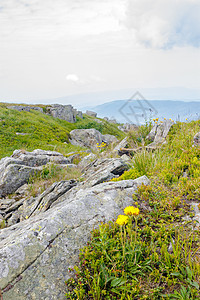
(160, 131)
(122, 144)
(22, 133)
(25, 108)
(113, 121)
(14, 219)
(102, 170)
(109, 139)
(15, 176)
(126, 158)
(87, 160)
(89, 138)
(15, 206)
(32, 207)
(197, 139)
(36, 253)
(127, 127)
(17, 169)
(91, 113)
(63, 112)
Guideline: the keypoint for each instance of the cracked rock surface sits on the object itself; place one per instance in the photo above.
(16, 170)
(35, 254)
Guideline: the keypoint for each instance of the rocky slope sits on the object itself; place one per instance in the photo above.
(44, 233)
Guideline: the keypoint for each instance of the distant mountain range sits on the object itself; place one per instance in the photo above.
(137, 111)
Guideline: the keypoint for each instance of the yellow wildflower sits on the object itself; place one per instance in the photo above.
(131, 211)
(121, 220)
(26, 217)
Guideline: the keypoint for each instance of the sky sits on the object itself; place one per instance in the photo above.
(51, 49)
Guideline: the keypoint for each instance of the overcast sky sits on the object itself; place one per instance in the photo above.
(56, 48)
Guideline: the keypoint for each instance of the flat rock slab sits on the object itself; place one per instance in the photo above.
(35, 254)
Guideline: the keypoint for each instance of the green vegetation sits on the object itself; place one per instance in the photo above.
(155, 255)
(42, 131)
(138, 137)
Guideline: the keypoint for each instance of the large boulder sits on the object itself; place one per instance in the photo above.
(16, 170)
(37, 253)
(64, 112)
(90, 138)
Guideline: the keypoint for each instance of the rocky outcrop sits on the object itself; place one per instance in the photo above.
(64, 112)
(160, 131)
(87, 160)
(36, 253)
(101, 170)
(90, 138)
(109, 139)
(122, 144)
(91, 113)
(17, 169)
(127, 127)
(25, 108)
(197, 139)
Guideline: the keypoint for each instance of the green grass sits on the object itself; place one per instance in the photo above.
(43, 131)
(133, 261)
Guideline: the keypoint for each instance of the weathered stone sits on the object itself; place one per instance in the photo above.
(46, 199)
(160, 131)
(14, 219)
(122, 144)
(91, 113)
(15, 206)
(25, 108)
(108, 138)
(128, 127)
(17, 169)
(89, 138)
(15, 176)
(102, 170)
(64, 112)
(87, 160)
(36, 253)
(197, 139)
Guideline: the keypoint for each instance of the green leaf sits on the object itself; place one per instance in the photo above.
(118, 282)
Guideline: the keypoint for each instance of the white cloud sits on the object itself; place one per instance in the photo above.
(164, 23)
(72, 77)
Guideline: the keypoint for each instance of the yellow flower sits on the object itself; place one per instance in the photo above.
(131, 211)
(156, 119)
(164, 118)
(97, 144)
(156, 122)
(121, 220)
(26, 217)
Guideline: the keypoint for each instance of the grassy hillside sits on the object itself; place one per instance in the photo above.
(150, 252)
(43, 131)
